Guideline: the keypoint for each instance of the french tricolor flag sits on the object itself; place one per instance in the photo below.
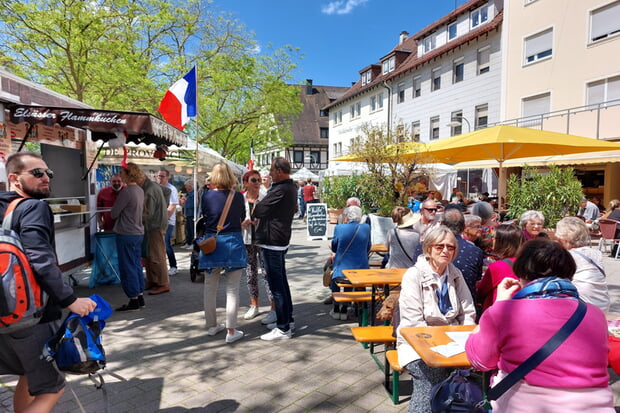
(179, 103)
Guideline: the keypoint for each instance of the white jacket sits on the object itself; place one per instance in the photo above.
(418, 303)
(589, 280)
(247, 232)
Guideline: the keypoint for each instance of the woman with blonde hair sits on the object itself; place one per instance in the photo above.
(229, 256)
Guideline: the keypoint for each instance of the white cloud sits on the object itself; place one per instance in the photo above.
(341, 6)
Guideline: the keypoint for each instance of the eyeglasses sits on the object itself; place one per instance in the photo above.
(431, 209)
(161, 176)
(254, 180)
(441, 247)
(38, 172)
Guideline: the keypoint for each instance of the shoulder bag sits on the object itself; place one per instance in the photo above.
(458, 392)
(207, 245)
(328, 269)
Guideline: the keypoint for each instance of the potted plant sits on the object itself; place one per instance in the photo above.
(335, 190)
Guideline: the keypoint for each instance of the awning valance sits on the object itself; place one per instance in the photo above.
(104, 124)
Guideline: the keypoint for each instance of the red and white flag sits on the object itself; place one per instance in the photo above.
(179, 102)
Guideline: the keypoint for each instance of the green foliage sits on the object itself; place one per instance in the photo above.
(375, 193)
(556, 194)
(124, 55)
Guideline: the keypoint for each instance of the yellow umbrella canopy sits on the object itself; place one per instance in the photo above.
(509, 142)
(392, 153)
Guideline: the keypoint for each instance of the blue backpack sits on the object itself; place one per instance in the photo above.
(76, 347)
(457, 394)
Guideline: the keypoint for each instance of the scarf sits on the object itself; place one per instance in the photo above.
(443, 298)
(548, 287)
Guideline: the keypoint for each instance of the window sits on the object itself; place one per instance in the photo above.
(538, 46)
(482, 116)
(368, 76)
(429, 43)
(605, 22)
(388, 65)
(451, 31)
(603, 90)
(339, 148)
(352, 111)
(373, 103)
(324, 133)
(458, 70)
(335, 150)
(338, 118)
(484, 56)
(363, 79)
(298, 156)
(456, 123)
(417, 86)
(315, 157)
(380, 101)
(436, 79)
(324, 112)
(415, 131)
(356, 110)
(434, 128)
(479, 16)
(400, 92)
(535, 106)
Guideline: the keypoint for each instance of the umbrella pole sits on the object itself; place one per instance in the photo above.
(501, 187)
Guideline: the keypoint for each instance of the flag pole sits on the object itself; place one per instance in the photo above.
(196, 160)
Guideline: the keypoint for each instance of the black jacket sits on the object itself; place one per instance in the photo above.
(275, 213)
(33, 221)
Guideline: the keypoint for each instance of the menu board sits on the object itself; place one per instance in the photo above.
(316, 220)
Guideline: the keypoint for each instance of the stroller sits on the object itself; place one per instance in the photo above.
(194, 272)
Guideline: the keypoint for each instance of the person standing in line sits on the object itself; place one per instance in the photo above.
(164, 180)
(300, 200)
(40, 385)
(105, 199)
(251, 182)
(127, 211)
(229, 255)
(275, 213)
(310, 196)
(155, 221)
(266, 186)
(188, 210)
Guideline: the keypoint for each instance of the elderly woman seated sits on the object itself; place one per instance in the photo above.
(350, 245)
(433, 293)
(589, 278)
(532, 224)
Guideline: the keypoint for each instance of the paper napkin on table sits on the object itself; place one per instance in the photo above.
(449, 350)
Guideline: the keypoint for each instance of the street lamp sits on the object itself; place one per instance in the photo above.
(458, 121)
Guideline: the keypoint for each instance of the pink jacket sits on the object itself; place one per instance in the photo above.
(512, 330)
(486, 288)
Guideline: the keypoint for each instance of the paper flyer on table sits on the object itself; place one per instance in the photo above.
(455, 347)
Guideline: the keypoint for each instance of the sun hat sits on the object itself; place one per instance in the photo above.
(409, 220)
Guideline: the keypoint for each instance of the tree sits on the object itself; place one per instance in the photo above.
(124, 54)
(393, 161)
(556, 194)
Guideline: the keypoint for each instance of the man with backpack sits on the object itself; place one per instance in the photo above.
(40, 385)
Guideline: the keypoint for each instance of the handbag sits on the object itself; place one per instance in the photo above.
(328, 268)
(208, 244)
(458, 393)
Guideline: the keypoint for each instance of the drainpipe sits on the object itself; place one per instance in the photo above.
(389, 106)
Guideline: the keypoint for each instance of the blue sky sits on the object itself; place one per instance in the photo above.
(337, 38)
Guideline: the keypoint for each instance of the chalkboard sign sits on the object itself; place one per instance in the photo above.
(316, 219)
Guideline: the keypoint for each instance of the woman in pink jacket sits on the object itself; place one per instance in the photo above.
(574, 377)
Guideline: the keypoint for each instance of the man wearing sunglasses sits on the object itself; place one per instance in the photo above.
(40, 385)
(429, 219)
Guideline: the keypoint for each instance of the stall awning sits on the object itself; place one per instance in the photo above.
(103, 124)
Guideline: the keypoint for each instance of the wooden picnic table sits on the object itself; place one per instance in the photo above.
(374, 277)
(423, 338)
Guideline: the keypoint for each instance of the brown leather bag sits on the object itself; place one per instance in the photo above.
(208, 245)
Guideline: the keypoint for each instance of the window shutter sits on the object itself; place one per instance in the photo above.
(538, 43)
(605, 20)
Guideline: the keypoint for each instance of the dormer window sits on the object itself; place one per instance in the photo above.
(451, 31)
(479, 16)
(388, 65)
(429, 43)
(366, 77)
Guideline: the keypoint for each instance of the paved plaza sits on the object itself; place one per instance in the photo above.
(171, 365)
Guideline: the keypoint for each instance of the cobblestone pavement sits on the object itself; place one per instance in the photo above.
(171, 365)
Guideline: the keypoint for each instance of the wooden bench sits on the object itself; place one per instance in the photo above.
(357, 297)
(374, 334)
(393, 388)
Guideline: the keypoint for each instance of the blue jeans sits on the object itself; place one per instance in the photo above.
(129, 248)
(169, 251)
(302, 207)
(278, 283)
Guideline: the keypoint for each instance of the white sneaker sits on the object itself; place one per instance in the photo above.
(291, 326)
(252, 312)
(231, 338)
(214, 330)
(188, 247)
(271, 318)
(344, 316)
(335, 315)
(172, 271)
(276, 334)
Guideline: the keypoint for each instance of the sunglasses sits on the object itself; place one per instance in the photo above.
(254, 180)
(441, 247)
(39, 172)
(431, 209)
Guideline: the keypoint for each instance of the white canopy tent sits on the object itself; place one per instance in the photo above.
(303, 174)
